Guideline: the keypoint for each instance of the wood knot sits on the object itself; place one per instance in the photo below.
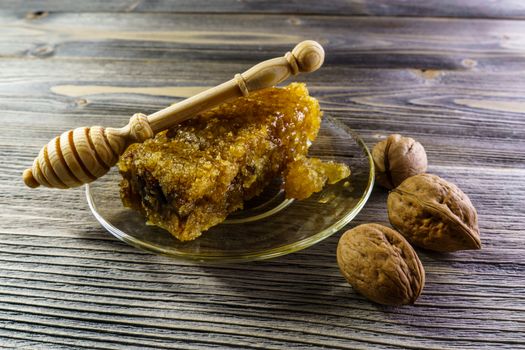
(36, 14)
(469, 63)
(81, 102)
(428, 74)
(295, 21)
(42, 51)
(140, 130)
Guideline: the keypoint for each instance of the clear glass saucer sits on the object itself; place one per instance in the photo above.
(270, 225)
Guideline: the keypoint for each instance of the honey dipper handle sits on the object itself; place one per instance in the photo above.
(82, 155)
(307, 56)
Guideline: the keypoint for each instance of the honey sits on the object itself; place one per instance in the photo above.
(305, 176)
(190, 177)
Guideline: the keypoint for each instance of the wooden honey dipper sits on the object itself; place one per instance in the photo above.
(84, 154)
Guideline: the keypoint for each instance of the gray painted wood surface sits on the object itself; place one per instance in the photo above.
(456, 84)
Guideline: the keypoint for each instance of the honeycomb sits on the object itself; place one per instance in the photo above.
(190, 177)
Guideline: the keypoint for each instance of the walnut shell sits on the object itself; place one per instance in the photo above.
(397, 158)
(434, 214)
(380, 264)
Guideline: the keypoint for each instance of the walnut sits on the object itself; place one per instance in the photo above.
(380, 264)
(397, 158)
(434, 214)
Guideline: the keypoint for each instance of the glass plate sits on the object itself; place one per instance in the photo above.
(270, 225)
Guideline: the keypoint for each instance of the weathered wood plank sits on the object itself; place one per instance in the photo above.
(374, 102)
(152, 288)
(307, 300)
(359, 42)
(266, 302)
(446, 8)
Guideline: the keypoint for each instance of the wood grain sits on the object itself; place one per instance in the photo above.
(433, 8)
(455, 84)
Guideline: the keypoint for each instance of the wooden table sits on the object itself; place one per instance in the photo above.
(452, 77)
